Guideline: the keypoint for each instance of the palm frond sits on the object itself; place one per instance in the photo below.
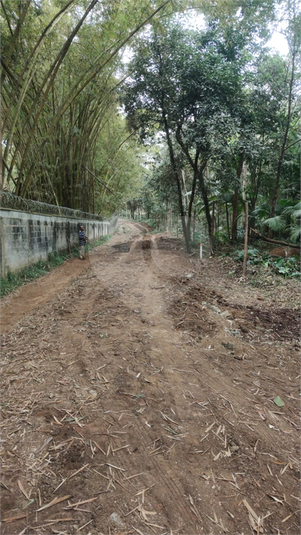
(260, 212)
(295, 233)
(294, 211)
(275, 223)
(296, 214)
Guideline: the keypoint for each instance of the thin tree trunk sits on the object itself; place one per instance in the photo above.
(283, 145)
(235, 198)
(213, 218)
(177, 179)
(207, 206)
(246, 239)
(228, 222)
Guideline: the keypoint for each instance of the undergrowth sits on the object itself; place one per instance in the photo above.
(30, 273)
(288, 267)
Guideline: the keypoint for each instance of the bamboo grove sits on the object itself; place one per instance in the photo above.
(63, 137)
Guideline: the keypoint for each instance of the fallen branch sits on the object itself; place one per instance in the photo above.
(279, 242)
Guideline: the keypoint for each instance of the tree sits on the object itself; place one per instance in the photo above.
(183, 83)
(292, 82)
(59, 64)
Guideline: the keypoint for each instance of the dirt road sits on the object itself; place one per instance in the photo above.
(139, 395)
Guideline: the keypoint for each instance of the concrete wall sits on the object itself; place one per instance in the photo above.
(27, 238)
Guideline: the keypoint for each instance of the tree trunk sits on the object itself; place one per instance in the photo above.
(235, 198)
(213, 218)
(246, 239)
(278, 242)
(178, 182)
(228, 222)
(206, 204)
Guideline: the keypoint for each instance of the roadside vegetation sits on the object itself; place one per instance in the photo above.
(287, 267)
(33, 272)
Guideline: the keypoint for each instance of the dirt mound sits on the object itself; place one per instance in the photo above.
(191, 312)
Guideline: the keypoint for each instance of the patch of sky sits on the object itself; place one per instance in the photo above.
(278, 43)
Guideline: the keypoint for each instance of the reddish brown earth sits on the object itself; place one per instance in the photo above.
(137, 396)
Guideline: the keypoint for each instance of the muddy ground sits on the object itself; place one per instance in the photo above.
(140, 394)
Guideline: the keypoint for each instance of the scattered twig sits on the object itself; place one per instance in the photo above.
(13, 518)
(53, 502)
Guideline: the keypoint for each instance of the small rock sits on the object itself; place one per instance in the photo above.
(227, 345)
(214, 308)
(114, 518)
(226, 314)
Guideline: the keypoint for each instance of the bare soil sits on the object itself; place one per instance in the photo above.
(139, 395)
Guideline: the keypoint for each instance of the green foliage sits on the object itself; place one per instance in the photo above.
(61, 65)
(254, 256)
(228, 107)
(286, 221)
(221, 237)
(16, 279)
(275, 223)
(286, 267)
(185, 83)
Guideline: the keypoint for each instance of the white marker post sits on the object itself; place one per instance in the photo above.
(201, 251)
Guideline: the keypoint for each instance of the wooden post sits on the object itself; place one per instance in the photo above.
(246, 239)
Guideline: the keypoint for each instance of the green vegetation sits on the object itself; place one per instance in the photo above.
(288, 267)
(172, 109)
(28, 274)
(61, 67)
(226, 110)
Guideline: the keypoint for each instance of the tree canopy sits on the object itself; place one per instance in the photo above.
(226, 106)
(76, 116)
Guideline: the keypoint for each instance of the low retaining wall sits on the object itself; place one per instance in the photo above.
(27, 238)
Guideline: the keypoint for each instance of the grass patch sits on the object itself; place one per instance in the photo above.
(102, 240)
(33, 272)
(30, 273)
